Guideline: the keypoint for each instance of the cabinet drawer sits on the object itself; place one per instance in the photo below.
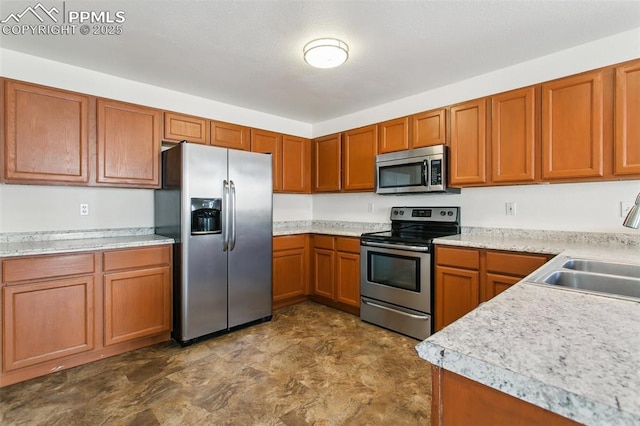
(350, 245)
(34, 268)
(323, 241)
(288, 242)
(459, 257)
(517, 264)
(137, 258)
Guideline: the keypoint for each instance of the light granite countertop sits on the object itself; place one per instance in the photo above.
(347, 229)
(572, 353)
(36, 243)
(28, 244)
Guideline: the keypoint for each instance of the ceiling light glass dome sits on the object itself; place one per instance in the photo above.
(326, 52)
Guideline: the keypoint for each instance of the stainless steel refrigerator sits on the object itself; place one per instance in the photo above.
(217, 204)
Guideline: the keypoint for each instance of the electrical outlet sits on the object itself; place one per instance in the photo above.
(625, 206)
(510, 208)
(84, 209)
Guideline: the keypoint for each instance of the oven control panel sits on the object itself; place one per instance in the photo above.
(426, 214)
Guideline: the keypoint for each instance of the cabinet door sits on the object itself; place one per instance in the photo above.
(296, 164)
(327, 162)
(428, 128)
(572, 127)
(459, 401)
(323, 266)
(128, 145)
(359, 150)
(627, 120)
(137, 304)
(496, 284)
(229, 135)
(513, 136)
(290, 268)
(394, 135)
(348, 278)
(269, 143)
(468, 143)
(457, 293)
(47, 320)
(47, 134)
(180, 127)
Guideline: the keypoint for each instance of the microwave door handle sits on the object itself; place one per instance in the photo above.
(425, 171)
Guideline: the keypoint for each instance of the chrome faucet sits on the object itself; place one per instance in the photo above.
(633, 217)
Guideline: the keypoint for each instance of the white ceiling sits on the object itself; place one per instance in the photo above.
(249, 53)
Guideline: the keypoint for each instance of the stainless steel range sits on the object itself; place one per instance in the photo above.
(396, 269)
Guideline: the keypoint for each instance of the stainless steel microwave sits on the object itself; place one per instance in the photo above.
(413, 171)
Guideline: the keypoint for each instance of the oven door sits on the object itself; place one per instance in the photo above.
(396, 274)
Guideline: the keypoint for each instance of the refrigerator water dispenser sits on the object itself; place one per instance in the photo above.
(205, 216)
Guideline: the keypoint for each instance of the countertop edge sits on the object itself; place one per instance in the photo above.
(540, 394)
(74, 246)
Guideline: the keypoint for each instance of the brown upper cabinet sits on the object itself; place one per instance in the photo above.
(572, 127)
(513, 136)
(129, 144)
(269, 143)
(296, 164)
(180, 127)
(48, 134)
(393, 135)
(627, 119)
(429, 128)
(229, 135)
(468, 159)
(327, 163)
(291, 159)
(359, 149)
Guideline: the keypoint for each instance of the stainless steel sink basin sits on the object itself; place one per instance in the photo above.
(592, 276)
(601, 283)
(600, 267)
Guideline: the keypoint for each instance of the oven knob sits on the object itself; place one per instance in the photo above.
(442, 213)
(450, 213)
(395, 212)
(401, 212)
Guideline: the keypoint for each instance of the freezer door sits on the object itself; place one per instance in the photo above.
(203, 288)
(250, 254)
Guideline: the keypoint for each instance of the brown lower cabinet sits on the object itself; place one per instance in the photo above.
(324, 268)
(336, 272)
(63, 310)
(466, 277)
(290, 269)
(458, 401)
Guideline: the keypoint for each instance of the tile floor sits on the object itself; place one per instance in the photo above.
(310, 365)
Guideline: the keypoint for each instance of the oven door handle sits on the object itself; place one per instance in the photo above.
(397, 246)
(375, 305)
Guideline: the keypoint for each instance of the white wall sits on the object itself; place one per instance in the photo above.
(27, 208)
(292, 207)
(593, 207)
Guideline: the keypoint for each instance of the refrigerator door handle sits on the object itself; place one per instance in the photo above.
(233, 215)
(225, 227)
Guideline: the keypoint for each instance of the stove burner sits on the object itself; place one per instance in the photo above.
(418, 226)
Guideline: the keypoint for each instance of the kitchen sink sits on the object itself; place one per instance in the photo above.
(600, 267)
(601, 283)
(592, 276)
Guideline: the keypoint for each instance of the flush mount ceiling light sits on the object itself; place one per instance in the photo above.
(326, 52)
